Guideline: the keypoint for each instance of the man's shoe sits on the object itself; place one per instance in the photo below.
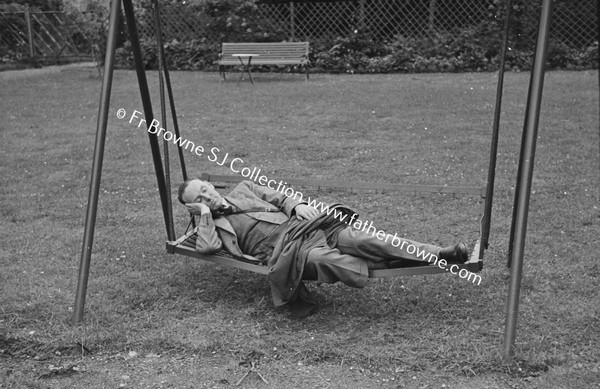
(455, 254)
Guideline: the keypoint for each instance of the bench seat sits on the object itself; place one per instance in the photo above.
(267, 53)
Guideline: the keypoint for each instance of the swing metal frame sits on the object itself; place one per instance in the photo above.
(178, 246)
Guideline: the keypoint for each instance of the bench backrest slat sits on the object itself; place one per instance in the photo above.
(267, 50)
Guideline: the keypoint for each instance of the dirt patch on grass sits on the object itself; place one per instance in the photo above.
(132, 370)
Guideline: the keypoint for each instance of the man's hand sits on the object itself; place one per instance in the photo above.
(197, 208)
(306, 212)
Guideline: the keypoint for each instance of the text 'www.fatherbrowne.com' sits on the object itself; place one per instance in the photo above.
(237, 166)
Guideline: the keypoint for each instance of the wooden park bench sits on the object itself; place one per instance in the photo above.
(264, 53)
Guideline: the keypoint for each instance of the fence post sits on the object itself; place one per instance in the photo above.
(292, 27)
(29, 32)
(432, 9)
(361, 15)
(598, 58)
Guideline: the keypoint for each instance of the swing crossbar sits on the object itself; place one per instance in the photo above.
(481, 191)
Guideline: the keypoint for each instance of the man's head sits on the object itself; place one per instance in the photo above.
(194, 190)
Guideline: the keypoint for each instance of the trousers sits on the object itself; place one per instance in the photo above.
(349, 256)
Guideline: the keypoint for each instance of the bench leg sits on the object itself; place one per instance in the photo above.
(306, 71)
(249, 73)
(245, 69)
(222, 72)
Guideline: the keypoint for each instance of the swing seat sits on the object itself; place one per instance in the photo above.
(186, 244)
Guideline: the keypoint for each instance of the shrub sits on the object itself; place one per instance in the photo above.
(588, 58)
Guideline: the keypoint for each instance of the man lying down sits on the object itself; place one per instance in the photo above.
(297, 241)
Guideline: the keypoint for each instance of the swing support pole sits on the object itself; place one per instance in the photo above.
(525, 176)
(487, 213)
(149, 116)
(92, 207)
(101, 129)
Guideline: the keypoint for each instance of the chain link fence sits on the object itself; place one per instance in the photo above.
(574, 21)
(382, 19)
(55, 35)
(42, 37)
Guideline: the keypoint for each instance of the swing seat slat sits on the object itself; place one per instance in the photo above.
(474, 264)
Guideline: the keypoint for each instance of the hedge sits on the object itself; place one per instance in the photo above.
(471, 49)
(462, 52)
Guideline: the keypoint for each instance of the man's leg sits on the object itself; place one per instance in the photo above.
(328, 265)
(391, 247)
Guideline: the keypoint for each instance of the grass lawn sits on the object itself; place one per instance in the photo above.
(155, 320)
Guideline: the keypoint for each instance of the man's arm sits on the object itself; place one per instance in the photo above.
(290, 205)
(207, 241)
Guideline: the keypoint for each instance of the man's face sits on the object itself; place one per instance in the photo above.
(198, 191)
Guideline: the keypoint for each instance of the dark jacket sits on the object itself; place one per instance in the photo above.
(286, 265)
(216, 234)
